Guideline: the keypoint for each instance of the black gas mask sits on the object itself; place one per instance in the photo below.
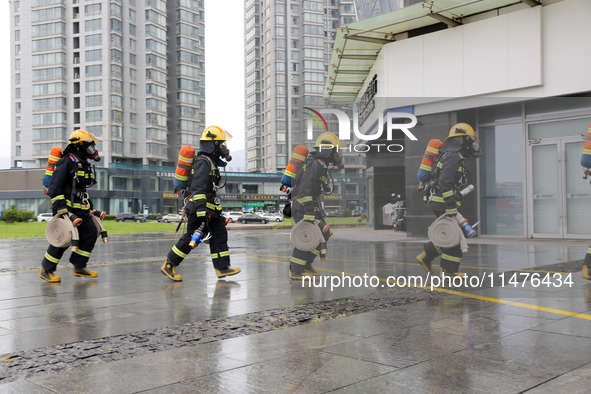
(470, 148)
(223, 151)
(336, 159)
(89, 151)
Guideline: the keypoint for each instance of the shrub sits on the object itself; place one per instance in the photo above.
(109, 217)
(153, 216)
(12, 215)
(362, 218)
(347, 213)
(24, 216)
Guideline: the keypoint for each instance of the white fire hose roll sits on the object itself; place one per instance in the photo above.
(60, 231)
(445, 233)
(306, 236)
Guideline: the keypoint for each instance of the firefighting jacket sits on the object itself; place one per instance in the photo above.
(67, 188)
(310, 181)
(204, 183)
(449, 174)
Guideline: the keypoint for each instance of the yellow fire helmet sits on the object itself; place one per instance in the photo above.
(327, 139)
(463, 129)
(79, 136)
(215, 133)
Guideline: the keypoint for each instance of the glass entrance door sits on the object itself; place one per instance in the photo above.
(544, 191)
(559, 198)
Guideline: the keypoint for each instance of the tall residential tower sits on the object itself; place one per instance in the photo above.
(288, 49)
(131, 72)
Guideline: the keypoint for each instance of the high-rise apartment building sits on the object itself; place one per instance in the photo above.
(288, 49)
(131, 72)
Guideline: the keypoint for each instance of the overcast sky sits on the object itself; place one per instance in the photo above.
(224, 72)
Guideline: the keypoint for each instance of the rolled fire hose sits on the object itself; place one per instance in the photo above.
(61, 233)
(445, 233)
(101, 230)
(306, 236)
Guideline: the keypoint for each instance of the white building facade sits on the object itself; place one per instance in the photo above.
(519, 74)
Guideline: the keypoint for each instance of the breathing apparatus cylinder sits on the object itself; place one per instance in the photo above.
(586, 156)
(55, 155)
(429, 158)
(183, 167)
(300, 152)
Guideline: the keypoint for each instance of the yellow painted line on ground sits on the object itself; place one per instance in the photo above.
(458, 293)
(417, 264)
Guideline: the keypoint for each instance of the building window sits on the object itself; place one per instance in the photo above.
(94, 71)
(92, 9)
(92, 25)
(93, 40)
(502, 180)
(115, 24)
(94, 116)
(93, 55)
(94, 101)
(94, 86)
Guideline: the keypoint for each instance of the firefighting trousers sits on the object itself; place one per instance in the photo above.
(218, 243)
(79, 258)
(300, 258)
(451, 258)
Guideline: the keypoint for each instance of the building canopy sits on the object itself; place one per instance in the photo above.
(358, 44)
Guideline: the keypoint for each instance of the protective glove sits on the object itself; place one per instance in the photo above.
(60, 207)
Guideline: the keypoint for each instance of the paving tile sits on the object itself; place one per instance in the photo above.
(401, 347)
(138, 373)
(454, 373)
(575, 382)
(23, 386)
(306, 372)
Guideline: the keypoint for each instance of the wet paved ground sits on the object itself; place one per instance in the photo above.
(512, 338)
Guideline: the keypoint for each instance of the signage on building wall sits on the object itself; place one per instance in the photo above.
(169, 195)
(260, 197)
(367, 103)
(165, 174)
(230, 197)
(333, 197)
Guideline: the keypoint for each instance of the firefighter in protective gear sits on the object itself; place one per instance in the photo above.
(67, 189)
(310, 181)
(204, 207)
(449, 176)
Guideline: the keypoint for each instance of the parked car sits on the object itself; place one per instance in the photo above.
(251, 217)
(335, 213)
(44, 217)
(172, 217)
(129, 217)
(273, 217)
(234, 216)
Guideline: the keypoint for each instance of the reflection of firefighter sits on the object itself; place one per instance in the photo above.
(203, 207)
(67, 189)
(310, 181)
(447, 178)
